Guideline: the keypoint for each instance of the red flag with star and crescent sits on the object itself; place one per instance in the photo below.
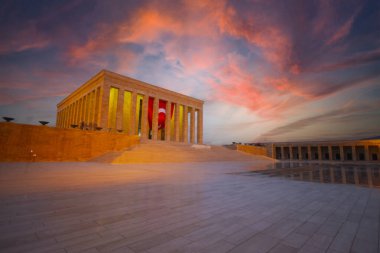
(161, 113)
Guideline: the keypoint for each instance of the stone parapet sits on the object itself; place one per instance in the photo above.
(19, 142)
(254, 150)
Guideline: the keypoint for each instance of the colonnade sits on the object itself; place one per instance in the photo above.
(126, 110)
(84, 109)
(354, 151)
(345, 175)
(114, 103)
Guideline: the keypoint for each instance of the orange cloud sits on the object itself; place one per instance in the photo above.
(195, 47)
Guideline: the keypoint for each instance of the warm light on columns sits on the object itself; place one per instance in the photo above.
(112, 108)
(127, 111)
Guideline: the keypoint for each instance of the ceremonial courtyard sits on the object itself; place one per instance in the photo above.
(182, 207)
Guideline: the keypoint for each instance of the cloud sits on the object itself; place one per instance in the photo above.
(345, 114)
(343, 30)
(352, 61)
(274, 43)
(28, 37)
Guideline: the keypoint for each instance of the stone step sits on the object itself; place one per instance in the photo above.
(164, 152)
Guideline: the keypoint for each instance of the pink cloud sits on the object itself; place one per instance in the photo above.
(342, 31)
(195, 44)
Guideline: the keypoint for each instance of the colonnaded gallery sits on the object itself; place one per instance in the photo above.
(116, 103)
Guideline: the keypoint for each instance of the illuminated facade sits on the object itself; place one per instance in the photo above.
(116, 103)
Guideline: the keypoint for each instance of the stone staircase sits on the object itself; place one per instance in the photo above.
(163, 152)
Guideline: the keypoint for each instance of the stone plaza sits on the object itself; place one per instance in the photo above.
(180, 207)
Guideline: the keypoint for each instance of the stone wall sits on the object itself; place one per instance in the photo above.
(19, 142)
(254, 150)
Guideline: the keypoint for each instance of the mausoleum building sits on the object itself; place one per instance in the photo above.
(116, 103)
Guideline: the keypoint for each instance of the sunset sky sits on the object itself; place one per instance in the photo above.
(267, 70)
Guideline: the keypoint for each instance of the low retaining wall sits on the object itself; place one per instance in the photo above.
(254, 150)
(19, 142)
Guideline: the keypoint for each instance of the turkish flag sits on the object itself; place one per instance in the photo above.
(161, 113)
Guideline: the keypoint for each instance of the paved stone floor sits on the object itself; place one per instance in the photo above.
(190, 207)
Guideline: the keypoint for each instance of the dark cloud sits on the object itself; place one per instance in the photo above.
(358, 59)
(343, 115)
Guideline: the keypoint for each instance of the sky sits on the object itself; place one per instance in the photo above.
(267, 70)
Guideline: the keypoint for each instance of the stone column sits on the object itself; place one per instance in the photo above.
(167, 120)
(96, 110)
(105, 97)
(63, 122)
(85, 108)
(176, 122)
(299, 152)
(133, 116)
(356, 175)
(309, 152)
(119, 110)
(341, 151)
(319, 152)
(369, 176)
(70, 115)
(144, 117)
(77, 118)
(155, 119)
(330, 152)
(93, 106)
(353, 153)
(74, 112)
(366, 153)
(61, 118)
(192, 125)
(88, 99)
(273, 151)
(332, 176)
(291, 152)
(67, 117)
(321, 175)
(89, 108)
(282, 153)
(344, 178)
(185, 124)
(200, 127)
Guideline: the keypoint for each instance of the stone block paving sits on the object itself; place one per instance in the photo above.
(188, 207)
